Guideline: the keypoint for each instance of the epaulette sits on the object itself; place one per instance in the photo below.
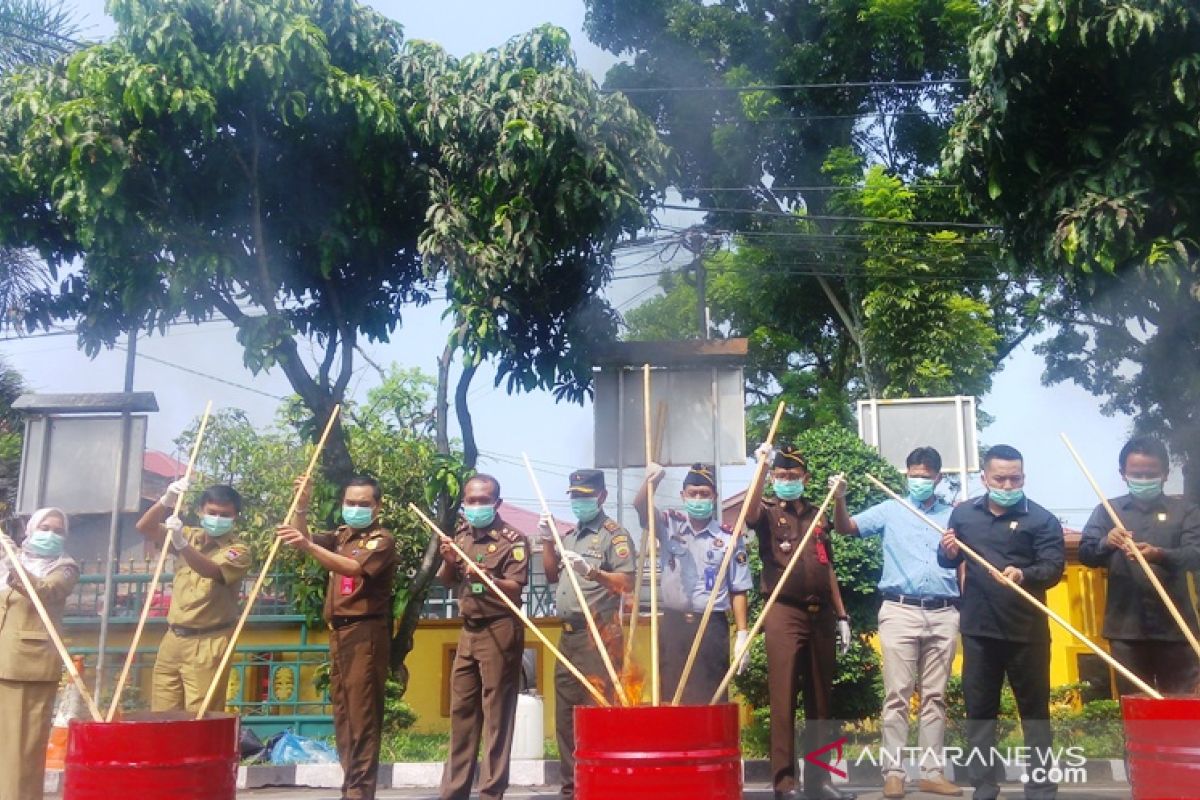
(611, 525)
(516, 537)
(770, 501)
(726, 527)
(676, 515)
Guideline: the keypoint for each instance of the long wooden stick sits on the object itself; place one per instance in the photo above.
(787, 572)
(738, 529)
(652, 548)
(987, 565)
(1137, 554)
(513, 607)
(660, 423)
(158, 571)
(262, 576)
(31, 593)
(574, 579)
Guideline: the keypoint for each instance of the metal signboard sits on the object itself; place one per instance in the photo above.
(71, 462)
(947, 424)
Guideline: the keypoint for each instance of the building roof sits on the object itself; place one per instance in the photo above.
(158, 463)
(526, 521)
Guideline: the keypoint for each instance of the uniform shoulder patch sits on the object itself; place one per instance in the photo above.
(611, 524)
(373, 544)
(741, 557)
(518, 553)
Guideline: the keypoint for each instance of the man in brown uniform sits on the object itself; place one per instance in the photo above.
(800, 629)
(210, 563)
(601, 553)
(487, 663)
(361, 559)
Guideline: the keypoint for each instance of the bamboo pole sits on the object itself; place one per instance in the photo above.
(652, 548)
(787, 572)
(513, 607)
(660, 421)
(1135, 552)
(574, 579)
(30, 592)
(987, 565)
(738, 528)
(158, 570)
(262, 576)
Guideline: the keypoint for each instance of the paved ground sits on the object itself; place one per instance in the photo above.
(1012, 792)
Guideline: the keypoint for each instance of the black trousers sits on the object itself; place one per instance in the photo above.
(677, 631)
(986, 663)
(1170, 667)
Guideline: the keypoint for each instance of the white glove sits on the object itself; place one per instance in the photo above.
(764, 452)
(174, 491)
(843, 636)
(174, 526)
(654, 473)
(739, 643)
(577, 562)
(838, 484)
(546, 529)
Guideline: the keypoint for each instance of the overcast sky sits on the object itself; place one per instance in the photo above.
(558, 436)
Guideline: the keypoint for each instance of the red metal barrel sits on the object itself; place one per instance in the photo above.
(1162, 746)
(156, 757)
(658, 752)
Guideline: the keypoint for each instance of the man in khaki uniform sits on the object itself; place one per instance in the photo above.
(601, 553)
(361, 559)
(210, 563)
(487, 663)
(30, 668)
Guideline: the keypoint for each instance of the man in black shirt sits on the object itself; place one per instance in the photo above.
(1002, 633)
(1141, 632)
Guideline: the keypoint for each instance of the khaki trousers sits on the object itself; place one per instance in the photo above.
(26, 710)
(580, 649)
(183, 671)
(918, 650)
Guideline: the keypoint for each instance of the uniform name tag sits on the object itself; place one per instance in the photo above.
(822, 555)
(347, 585)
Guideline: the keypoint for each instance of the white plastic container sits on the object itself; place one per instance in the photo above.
(528, 733)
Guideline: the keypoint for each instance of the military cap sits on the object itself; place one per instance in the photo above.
(788, 457)
(700, 475)
(587, 481)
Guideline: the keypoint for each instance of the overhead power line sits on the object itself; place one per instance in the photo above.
(782, 86)
(832, 218)
(826, 188)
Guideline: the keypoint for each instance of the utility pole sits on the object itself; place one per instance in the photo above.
(695, 241)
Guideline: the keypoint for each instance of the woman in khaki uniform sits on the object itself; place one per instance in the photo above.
(30, 668)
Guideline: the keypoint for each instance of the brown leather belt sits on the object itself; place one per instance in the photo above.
(185, 632)
(339, 622)
(479, 623)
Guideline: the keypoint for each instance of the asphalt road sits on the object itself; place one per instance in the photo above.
(1013, 791)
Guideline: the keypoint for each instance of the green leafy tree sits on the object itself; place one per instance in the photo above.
(1080, 138)
(294, 167)
(12, 433)
(858, 692)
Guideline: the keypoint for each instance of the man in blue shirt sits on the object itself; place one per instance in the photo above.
(691, 546)
(918, 621)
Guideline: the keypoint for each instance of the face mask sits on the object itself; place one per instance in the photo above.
(698, 507)
(788, 490)
(216, 526)
(920, 489)
(479, 516)
(1145, 490)
(1006, 497)
(357, 516)
(45, 543)
(585, 509)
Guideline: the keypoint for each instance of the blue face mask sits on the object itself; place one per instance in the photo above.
(216, 526)
(788, 490)
(479, 516)
(585, 509)
(357, 516)
(45, 543)
(1145, 489)
(1006, 498)
(698, 507)
(920, 489)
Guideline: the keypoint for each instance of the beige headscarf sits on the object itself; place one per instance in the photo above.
(35, 564)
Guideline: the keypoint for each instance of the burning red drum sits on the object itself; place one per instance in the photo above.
(1162, 746)
(658, 752)
(159, 757)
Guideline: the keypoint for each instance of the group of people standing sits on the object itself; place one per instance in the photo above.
(931, 598)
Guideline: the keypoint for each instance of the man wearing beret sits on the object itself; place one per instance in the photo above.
(601, 553)
(800, 629)
(691, 547)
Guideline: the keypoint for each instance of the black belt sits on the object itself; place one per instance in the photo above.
(578, 622)
(921, 601)
(693, 617)
(183, 630)
(338, 622)
(479, 623)
(812, 605)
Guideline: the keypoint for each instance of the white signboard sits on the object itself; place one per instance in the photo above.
(947, 424)
(71, 462)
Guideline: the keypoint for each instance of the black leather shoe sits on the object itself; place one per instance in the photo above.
(828, 792)
(790, 794)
